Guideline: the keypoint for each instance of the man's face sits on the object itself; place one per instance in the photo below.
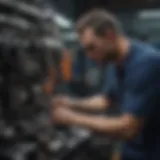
(98, 48)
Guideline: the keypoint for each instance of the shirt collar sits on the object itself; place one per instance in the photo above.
(132, 48)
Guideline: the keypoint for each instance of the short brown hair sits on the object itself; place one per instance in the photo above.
(99, 20)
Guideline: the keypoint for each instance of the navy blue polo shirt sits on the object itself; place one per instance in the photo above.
(137, 92)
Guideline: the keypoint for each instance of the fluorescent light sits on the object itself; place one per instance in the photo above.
(149, 14)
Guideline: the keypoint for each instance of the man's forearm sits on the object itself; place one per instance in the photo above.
(115, 127)
(92, 103)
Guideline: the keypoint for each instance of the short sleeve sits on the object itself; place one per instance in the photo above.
(141, 89)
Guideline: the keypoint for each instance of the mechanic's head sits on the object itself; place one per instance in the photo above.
(100, 33)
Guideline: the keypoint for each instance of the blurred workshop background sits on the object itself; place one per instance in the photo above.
(40, 55)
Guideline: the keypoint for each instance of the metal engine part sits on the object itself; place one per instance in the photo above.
(31, 51)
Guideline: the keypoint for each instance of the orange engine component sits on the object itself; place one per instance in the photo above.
(66, 66)
(50, 83)
(66, 71)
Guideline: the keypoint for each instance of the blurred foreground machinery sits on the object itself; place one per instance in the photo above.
(31, 54)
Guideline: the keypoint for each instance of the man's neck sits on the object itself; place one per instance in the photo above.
(123, 49)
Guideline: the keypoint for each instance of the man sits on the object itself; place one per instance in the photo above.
(137, 93)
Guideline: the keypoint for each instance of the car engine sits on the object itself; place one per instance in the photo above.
(30, 74)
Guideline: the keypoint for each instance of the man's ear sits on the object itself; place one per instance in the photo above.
(132, 125)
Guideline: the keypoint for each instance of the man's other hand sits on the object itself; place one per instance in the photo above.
(94, 103)
(62, 101)
(63, 116)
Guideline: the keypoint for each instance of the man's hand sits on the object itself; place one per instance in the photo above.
(123, 127)
(94, 103)
(62, 101)
(64, 116)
